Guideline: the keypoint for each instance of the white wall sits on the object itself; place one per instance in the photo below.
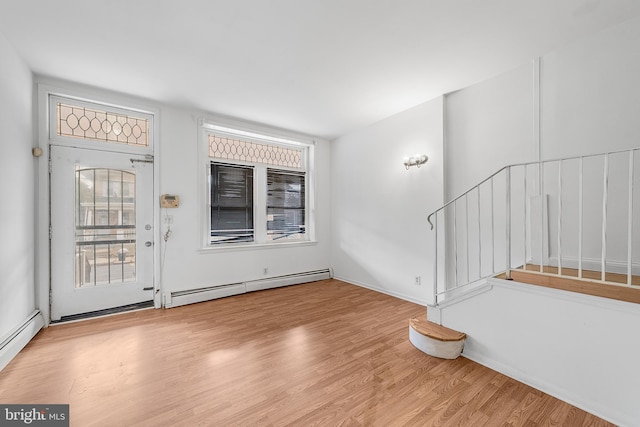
(17, 181)
(590, 103)
(488, 126)
(380, 237)
(186, 266)
(590, 94)
(580, 349)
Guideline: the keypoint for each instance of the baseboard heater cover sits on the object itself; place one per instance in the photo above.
(176, 299)
(19, 337)
(291, 279)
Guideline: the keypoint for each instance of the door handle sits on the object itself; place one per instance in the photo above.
(148, 243)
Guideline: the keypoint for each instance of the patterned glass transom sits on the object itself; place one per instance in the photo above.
(222, 147)
(89, 123)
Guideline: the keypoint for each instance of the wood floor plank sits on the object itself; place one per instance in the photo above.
(325, 353)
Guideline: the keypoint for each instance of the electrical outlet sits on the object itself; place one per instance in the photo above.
(418, 281)
(168, 219)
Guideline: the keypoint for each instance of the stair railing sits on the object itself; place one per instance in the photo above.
(564, 216)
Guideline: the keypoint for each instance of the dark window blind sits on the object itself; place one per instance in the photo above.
(285, 203)
(231, 203)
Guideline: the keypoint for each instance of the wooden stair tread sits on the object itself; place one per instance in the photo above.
(574, 284)
(435, 331)
(586, 274)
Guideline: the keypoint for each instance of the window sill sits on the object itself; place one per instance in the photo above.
(255, 246)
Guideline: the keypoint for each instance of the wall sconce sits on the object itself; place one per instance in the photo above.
(417, 160)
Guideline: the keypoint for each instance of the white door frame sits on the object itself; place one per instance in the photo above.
(68, 296)
(45, 88)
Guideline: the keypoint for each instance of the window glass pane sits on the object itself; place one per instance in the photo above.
(91, 123)
(285, 204)
(227, 148)
(231, 203)
(105, 227)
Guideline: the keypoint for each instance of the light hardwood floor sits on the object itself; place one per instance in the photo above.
(325, 353)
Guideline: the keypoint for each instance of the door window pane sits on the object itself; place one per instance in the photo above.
(105, 227)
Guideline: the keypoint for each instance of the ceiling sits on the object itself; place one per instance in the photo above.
(320, 67)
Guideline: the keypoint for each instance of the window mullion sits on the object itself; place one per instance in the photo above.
(260, 207)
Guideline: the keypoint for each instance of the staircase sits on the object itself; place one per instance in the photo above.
(539, 265)
(571, 220)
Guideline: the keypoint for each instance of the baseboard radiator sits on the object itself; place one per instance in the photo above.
(176, 299)
(19, 337)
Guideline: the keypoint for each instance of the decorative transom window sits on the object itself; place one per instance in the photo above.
(230, 148)
(78, 121)
(258, 190)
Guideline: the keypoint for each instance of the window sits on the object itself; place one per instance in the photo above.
(285, 204)
(231, 203)
(106, 247)
(233, 148)
(82, 123)
(258, 189)
(78, 121)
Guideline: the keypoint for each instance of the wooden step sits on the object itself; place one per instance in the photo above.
(587, 285)
(586, 274)
(435, 340)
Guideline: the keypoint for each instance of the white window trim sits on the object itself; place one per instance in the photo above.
(249, 133)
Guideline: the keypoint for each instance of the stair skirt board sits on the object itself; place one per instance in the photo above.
(19, 337)
(176, 299)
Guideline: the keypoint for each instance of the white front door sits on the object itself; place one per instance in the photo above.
(101, 230)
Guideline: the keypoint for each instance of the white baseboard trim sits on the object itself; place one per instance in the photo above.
(383, 291)
(19, 337)
(176, 299)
